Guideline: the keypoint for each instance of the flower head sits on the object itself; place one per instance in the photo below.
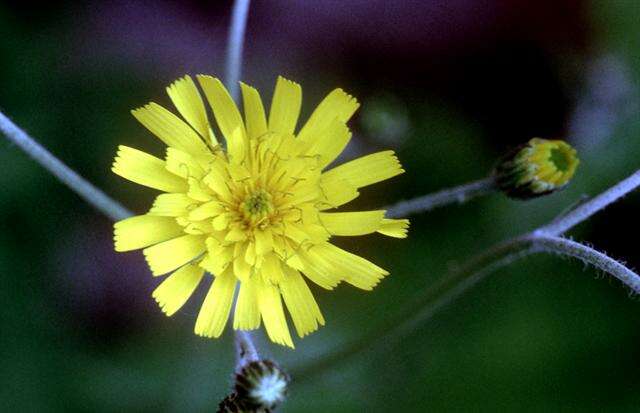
(255, 212)
(537, 168)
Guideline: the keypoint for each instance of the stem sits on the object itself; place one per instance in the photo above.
(245, 349)
(235, 44)
(582, 212)
(458, 194)
(66, 175)
(590, 256)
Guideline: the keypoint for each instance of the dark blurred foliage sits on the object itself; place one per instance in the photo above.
(449, 84)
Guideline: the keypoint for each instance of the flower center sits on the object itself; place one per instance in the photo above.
(257, 206)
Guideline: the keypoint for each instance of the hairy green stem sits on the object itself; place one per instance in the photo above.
(458, 194)
(591, 256)
(66, 175)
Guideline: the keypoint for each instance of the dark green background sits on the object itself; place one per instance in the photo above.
(80, 331)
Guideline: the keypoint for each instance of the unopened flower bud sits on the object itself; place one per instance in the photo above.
(536, 168)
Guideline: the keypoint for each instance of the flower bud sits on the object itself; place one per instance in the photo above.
(261, 384)
(536, 168)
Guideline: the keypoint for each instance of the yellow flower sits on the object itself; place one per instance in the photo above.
(539, 167)
(255, 214)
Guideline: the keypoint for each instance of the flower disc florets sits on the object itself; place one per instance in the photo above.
(254, 212)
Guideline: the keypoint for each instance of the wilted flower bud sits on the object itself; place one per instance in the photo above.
(261, 384)
(536, 168)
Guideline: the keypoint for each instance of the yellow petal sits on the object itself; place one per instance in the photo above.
(147, 170)
(183, 164)
(216, 306)
(302, 306)
(351, 223)
(206, 210)
(272, 312)
(186, 98)
(235, 234)
(199, 190)
(241, 268)
(174, 253)
(271, 269)
(355, 270)
(172, 205)
(177, 288)
(247, 313)
(227, 115)
(335, 192)
(264, 241)
(216, 179)
(337, 105)
(367, 170)
(285, 106)
(396, 228)
(144, 230)
(213, 264)
(253, 112)
(222, 221)
(169, 128)
(329, 143)
(316, 269)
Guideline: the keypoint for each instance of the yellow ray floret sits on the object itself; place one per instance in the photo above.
(258, 214)
(176, 289)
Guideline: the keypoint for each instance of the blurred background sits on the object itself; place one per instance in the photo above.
(450, 85)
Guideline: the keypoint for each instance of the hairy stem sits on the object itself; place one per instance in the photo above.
(66, 175)
(458, 194)
(591, 256)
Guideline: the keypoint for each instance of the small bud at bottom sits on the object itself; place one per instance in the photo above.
(261, 384)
